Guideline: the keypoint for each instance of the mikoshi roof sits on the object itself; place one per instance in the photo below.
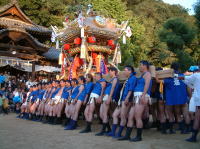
(97, 26)
(21, 21)
(52, 54)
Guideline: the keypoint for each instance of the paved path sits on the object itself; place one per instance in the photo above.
(22, 134)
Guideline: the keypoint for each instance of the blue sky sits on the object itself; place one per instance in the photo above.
(185, 3)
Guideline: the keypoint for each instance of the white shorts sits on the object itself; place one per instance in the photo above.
(105, 97)
(137, 96)
(37, 100)
(24, 104)
(57, 99)
(92, 96)
(192, 105)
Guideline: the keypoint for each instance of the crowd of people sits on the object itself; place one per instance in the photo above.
(126, 105)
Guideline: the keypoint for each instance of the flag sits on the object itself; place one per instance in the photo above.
(103, 67)
(80, 20)
(128, 31)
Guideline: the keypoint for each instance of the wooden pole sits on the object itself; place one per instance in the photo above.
(33, 71)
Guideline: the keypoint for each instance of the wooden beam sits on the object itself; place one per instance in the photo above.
(20, 55)
(17, 47)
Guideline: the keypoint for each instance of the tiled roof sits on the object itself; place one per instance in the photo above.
(28, 26)
(52, 54)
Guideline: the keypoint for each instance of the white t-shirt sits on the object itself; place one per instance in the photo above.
(194, 79)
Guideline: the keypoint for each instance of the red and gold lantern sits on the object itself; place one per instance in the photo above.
(111, 43)
(66, 46)
(113, 47)
(91, 39)
(77, 41)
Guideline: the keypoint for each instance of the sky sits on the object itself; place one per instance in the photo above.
(185, 3)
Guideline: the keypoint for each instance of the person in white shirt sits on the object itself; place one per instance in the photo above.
(194, 79)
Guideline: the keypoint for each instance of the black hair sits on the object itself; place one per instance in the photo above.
(62, 80)
(175, 66)
(75, 80)
(57, 81)
(82, 78)
(98, 73)
(90, 76)
(146, 63)
(113, 69)
(130, 68)
(159, 68)
(68, 81)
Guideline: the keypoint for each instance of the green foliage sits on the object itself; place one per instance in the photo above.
(177, 34)
(44, 12)
(197, 12)
(4, 2)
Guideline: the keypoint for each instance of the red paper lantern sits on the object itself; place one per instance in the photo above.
(91, 39)
(113, 47)
(77, 40)
(111, 43)
(66, 46)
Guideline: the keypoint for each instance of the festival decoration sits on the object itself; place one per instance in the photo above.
(111, 43)
(77, 41)
(66, 46)
(91, 39)
(84, 53)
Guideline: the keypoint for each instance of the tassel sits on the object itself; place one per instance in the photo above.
(124, 39)
(119, 57)
(57, 44)
(161, 87)
(60, 59)
(82, 32)
(83, 49)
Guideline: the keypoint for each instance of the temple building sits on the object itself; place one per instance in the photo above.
(22, 38)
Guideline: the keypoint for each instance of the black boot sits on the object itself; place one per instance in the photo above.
(138, 136)
(163, 128)
(55, 120)
(171, 128)
(103, 130)
(34, 117)
(108, 127)
(158, 125)
(50, 120)
(146, 123)
(45, 119)
(191, 125)
(87, 129)
(127, 135)
(181, 126)
(37, 118)
(193, 138)
(186, 129)
(41, 118)
(59, 120)
(66, 121)
(30, 116)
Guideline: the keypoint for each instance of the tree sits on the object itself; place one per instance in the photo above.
(44, 12)
(178, 35)
(4, 2)
(197, 13)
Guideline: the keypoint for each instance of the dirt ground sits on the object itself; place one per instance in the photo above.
(22, 134)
